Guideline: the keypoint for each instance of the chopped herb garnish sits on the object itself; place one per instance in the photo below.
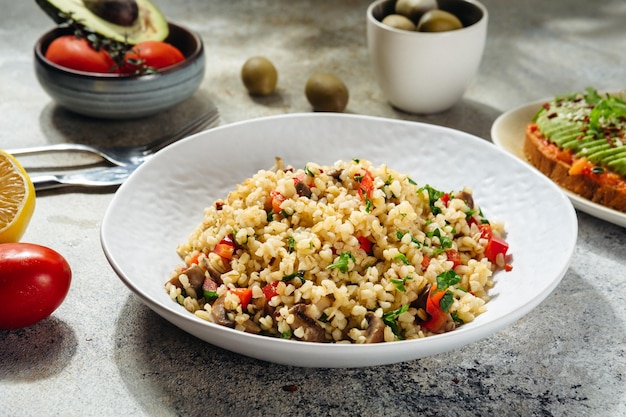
(286, 335)
(210, 295)
(456, 318)
(291, 244)
(400, 283)
(368, 205)
(411, 181)
(402, 258)
(299, 274)
(447, 279)
(270, 215)
(433, 196)
(446, 301)
(343, 263)
(308, 172)
(390, 319)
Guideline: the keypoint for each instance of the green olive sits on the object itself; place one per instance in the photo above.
(326, 92)
(399, 22)
(414, 9)
(259, 76)
(438, 21)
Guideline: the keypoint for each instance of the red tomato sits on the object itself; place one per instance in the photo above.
(153, 54)
(34, 281)
(74, 53)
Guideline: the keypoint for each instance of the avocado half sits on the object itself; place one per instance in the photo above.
(150, 24)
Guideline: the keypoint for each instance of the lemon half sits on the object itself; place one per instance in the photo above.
(17, 199)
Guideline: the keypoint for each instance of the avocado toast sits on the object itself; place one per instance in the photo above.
(578, 141)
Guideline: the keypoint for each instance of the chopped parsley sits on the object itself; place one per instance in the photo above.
(447, 279)
(433, 196)
(343, 263)
(400, 283)
(390, 318)
(402, 258)
(299, 274)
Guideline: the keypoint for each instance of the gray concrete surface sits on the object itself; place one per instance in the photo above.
(103, 353)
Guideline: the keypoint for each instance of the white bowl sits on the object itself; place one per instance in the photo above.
(115, 96)
(424, 72)
(163, 201)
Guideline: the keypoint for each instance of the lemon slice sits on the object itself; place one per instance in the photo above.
(17, 199)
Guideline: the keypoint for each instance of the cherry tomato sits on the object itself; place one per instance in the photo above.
(34, 281)
(76, 53)
(153, 54)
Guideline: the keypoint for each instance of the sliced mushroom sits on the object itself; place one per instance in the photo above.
(195, 274)
(375, 332)
(219, 314)
(251, 327)
(420, 303)
(467, 197)
(313, 332)
(175, 281)
(303, 190)
(334, 172)
(214, 270)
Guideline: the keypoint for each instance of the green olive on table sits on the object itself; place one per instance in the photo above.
(438, 21)
(399, 21)
(414, 9)
(259, 76)
(326, 92)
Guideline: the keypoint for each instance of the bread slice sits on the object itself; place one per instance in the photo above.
(575, 174)
(579, 142)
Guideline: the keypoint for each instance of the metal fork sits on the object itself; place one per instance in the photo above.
(127, 155)
(90, 178)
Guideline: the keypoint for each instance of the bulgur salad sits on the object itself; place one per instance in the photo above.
(348, 253)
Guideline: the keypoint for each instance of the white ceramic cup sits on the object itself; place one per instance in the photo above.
(424, 72)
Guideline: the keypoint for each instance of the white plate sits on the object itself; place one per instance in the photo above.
(163, 201)
(509, 131)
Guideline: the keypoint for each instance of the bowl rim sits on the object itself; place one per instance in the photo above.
(378, 22)
(52, 34)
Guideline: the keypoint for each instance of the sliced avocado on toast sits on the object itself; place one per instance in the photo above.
(129, 21)
(588, 124)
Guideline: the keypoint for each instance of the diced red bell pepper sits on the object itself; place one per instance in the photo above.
(366, 186)
(495, 247)
(365, 244)
(454, 257)
(276, 198)
(244, 294)
(425, 262)
(194, 258)
(485, 231)
(445, 199)
(269, 290)
(437, 317)
(225, 248)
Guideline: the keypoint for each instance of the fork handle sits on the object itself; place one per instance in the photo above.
(46, 182)
(58, 147)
